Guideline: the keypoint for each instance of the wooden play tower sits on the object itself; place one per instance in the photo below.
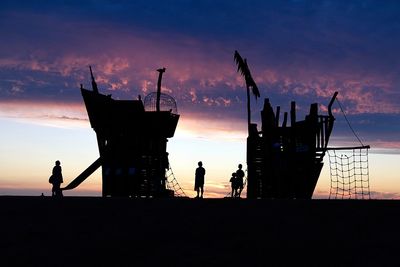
(132, 139)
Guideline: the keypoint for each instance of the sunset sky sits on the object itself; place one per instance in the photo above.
(296, 50)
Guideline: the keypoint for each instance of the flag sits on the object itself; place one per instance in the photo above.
(244, 70)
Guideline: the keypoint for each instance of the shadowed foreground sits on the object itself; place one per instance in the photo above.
(40, 231)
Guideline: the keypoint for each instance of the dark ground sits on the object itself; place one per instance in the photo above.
(78, 231)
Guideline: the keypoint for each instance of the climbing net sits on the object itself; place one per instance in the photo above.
(172, 184)
(349, 171)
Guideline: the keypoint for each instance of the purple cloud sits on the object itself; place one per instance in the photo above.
(297, 50)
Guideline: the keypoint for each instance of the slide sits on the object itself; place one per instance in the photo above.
(85, 174)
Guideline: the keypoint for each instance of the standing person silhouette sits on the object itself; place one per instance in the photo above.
(233, 181)
(56, 180)
(199, 180)
(239, 178)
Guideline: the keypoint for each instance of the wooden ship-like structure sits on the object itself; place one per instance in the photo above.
(132, 139)
(286, 161)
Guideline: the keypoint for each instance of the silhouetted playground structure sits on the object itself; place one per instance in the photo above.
(286, 161)
(132, 139)
(283, 161)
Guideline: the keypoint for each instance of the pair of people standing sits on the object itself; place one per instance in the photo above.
(237, 182)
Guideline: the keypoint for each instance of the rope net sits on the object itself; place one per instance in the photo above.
(172, 184)
(349, 171)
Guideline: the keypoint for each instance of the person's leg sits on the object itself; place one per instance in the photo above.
(58, 192)
(202, 190)
(240, 190)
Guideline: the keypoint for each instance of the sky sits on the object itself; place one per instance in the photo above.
(297, 50)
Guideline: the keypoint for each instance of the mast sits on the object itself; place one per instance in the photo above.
(94, 84)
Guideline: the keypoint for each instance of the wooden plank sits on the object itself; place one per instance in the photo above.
(348, 148)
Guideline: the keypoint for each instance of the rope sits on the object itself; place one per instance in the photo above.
(349, 174)
(351, 128)
(172, 184)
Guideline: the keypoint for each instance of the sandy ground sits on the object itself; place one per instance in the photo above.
(78, 231)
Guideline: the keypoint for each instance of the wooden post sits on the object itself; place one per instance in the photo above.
(278, 110)
(313, 110)
(292, 113)
(284, 120)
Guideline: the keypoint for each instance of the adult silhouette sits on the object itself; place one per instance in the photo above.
(199, 180)
(239, 179)
(56, 180)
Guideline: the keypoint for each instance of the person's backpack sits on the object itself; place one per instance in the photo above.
(51, 179)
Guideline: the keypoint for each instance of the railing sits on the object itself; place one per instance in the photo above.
(324, 129)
